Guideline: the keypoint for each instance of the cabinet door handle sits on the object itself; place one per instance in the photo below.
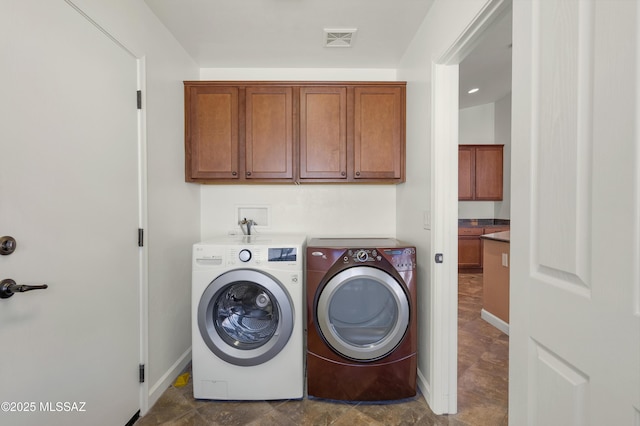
(343, 173)
(234, 173)
(357, 173)
(248, 173)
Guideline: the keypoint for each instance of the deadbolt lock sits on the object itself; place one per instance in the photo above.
(7, 245)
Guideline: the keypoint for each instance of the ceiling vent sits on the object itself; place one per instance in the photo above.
(339, 37)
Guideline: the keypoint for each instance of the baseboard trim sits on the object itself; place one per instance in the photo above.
(167, 379)
(495, 321)
(424, 387)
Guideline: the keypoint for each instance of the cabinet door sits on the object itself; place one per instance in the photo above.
(469, 252)
(469, 249)
(323, 132)
(466, 175)
(379, 133)
(269, 133)
(488, 173)
(211, 130)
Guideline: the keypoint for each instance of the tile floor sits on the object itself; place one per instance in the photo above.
(482, 389)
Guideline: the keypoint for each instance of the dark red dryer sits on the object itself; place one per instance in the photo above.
(361, 319)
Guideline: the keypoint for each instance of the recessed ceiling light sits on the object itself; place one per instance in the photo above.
(474, 90)
(339, 37)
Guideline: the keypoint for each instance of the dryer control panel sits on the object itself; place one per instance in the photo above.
(403, 259)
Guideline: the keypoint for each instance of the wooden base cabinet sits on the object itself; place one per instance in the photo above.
(495, 295)
(305, 132)
(470, 249)
(470, 246)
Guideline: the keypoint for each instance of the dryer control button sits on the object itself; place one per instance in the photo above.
(362, 256)
(244, 255)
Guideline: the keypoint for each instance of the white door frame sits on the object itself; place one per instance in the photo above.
(444, 201)
(143, 221)
(143, 253)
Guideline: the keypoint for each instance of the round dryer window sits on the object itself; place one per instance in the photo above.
(245, 317)
(363, 313)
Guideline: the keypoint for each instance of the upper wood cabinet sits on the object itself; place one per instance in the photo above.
(238, 133)
(333, 132)
(379, 126)
(323, 133)
(211, 132)
(269, 133)
(480, 171)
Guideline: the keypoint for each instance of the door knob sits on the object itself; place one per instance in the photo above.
(8, 288)
(7, 245)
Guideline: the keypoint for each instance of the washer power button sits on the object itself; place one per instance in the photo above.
(244, 255)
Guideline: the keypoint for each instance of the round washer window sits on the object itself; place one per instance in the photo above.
(245, 317)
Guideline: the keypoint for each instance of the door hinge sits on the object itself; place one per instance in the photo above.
(140, 237)
(139, 98)
(141, 372)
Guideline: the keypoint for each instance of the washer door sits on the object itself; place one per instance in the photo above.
(245, 317)
(363, 313)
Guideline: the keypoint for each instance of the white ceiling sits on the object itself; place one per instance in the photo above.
(488, 66)
(290, 34)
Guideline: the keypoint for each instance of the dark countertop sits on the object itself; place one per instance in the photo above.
(504, 236)
(483, 222)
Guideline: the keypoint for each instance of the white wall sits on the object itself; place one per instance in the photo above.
(476, 125)
(443, 24)
(488, 124)
(503, 136)
(173, 205)
(309, 209)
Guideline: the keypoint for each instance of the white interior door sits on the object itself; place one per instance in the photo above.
(69, 196)
(575, 324)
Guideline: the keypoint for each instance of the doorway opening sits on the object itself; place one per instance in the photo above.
(446, 73)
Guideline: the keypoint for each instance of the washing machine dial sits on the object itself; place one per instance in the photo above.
(362, 256)
(244, 255)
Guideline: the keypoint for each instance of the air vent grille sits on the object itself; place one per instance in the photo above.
(339, 37)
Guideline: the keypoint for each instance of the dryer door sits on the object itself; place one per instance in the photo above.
(363, 313)
(245, 317)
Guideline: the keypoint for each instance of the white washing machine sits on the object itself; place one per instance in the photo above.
(247, 315)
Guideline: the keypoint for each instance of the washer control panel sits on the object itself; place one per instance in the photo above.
(280, 257)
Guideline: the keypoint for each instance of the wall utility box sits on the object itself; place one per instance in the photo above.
(259, 214)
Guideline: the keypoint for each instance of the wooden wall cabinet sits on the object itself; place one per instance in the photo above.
(237, 133)
(212, 127)
(379, 133)
(480, 172)
(323, 132)
(269, 133)
(331, 132)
